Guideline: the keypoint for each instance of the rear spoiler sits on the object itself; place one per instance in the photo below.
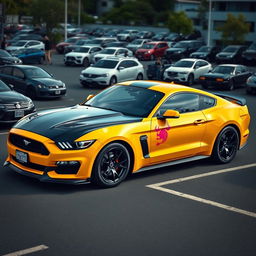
(233, 98)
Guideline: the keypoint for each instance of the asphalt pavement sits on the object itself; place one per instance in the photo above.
(197, 208)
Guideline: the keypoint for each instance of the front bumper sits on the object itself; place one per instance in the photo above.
(103, 81)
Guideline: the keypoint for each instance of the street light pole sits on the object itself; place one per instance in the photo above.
(79, 13)
(66, 19)
(209, 23)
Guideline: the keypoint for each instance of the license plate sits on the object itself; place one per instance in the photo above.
(21, 156)
(57, 92)
(19, 113)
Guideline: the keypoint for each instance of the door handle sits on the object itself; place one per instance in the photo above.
(199, 121)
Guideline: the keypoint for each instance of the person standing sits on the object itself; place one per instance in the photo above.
(3, 43)
(48, 48)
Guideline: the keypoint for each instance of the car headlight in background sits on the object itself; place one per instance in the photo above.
(41, 86)
(65, 145)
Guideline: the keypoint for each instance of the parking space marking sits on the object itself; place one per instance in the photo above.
(27, 251)
(159, 186)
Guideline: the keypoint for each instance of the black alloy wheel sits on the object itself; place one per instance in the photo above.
(111, 166)
(139, 76)
(190, 79)
(226, 145)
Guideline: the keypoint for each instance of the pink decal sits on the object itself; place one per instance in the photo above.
(161, 134)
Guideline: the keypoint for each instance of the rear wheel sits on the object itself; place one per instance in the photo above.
(111, 166)
(226, 145)
(139, 76)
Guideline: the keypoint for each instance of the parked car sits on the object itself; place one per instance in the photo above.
(111, 70)
(145, 34)
(136, 44)
(129, 127)
(116, 44)
(102, 41)
(187, 70)
(32, 81)
(82, 55)
(25, 44)
(160, 36)
(251, 84)
(249, 55)
(70, 41)
(112, 51)
(6, 58)
(225, 76)
(78, 43)
(151, 50)
(231, 54)
(156, 72)
(13, 105)
(206, 52)
(127, 35)
(30, 56)
(182, 49)
(26, 37)
(174, 37)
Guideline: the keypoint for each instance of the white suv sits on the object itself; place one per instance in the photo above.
(81, 55)
(111, 70)
(187, 70)
(25, 44)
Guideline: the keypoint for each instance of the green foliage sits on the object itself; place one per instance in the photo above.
(138, 12)
(179, 22)
(234, 29)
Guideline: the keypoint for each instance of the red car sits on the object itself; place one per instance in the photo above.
(151, 50)
(72, 40)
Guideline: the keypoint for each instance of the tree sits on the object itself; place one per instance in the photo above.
(180, 23)
(234, 29)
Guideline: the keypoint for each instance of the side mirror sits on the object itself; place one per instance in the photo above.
(169, 113)
(120, 68)
(89, 97)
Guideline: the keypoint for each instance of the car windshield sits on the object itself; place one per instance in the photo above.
(230, 49)
(181, 45)
(34, 72)
(204, 49)
(71, 40)
(4, 87)
(224, 69)
(129, 100)
(81, 49)
(108, 51)
(184, 64)
(137, 42)
(19, 43)
(5, 54)
(96, 41)
(82, 42)
(148, 46)
(105, 64)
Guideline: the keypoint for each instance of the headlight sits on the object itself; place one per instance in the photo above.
(65, 145)
(31, 104)
(103, 75)
(148, 52)
(41, 86)
(2, 106)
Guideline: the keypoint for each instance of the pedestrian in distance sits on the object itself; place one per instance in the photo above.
(3, 43)
(48, 48)
(158, 66)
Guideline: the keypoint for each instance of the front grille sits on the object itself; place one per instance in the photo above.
(172, 73)
(18, 105)
(69, 58)
(56, 86)
(28, 144)
(91, 75)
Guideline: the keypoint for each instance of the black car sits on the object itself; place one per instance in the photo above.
(32, 81)
(182, 49)
(231, 54)
(249, 55)
(6, 58)
(225, 76)
(206, 52)
(174, 37)
(13, 105)
(251, 84)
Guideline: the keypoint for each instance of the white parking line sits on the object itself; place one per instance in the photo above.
(27, 251)
(158, 186)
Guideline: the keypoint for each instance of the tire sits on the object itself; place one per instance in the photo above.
(112, 81)
(190, 81)
(112, 165)
(31, 93)
(231, 86)
(139, 77)
(226, 145)
(86, 62)
(41, 60)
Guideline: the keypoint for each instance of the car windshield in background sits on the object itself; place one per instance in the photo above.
(252, 46)
(32, 72)
(204, 49)
(230, 49)
(4, 54)
(181, 45)
(19, 43)
(108, 51)
(148, 46)
(71, 40)
(96, 41)
(81, 49)
(4, 87)
(129, 100)
(184, 64)
(137, 41)
(223, 70)
(105, 64)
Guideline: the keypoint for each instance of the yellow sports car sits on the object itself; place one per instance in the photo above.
(129, 127)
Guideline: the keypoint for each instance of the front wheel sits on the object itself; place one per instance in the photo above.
(86, 62)
(190, 80)
(112, 165)
(226, 145)
(112, 80)
(139, 76)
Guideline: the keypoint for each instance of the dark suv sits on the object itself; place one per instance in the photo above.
(182, 49)
(249, 55)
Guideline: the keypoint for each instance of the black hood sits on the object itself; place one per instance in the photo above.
(10, 60)
(46, 81)
(176, 50)
(11, 97)
(68, 124)
(217, 75)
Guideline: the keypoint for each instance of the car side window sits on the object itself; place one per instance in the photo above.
(18, 73)
(6, 70)
(238, 70)
(206, 102)
(182, 102)
(124, 64)
(131, 63)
